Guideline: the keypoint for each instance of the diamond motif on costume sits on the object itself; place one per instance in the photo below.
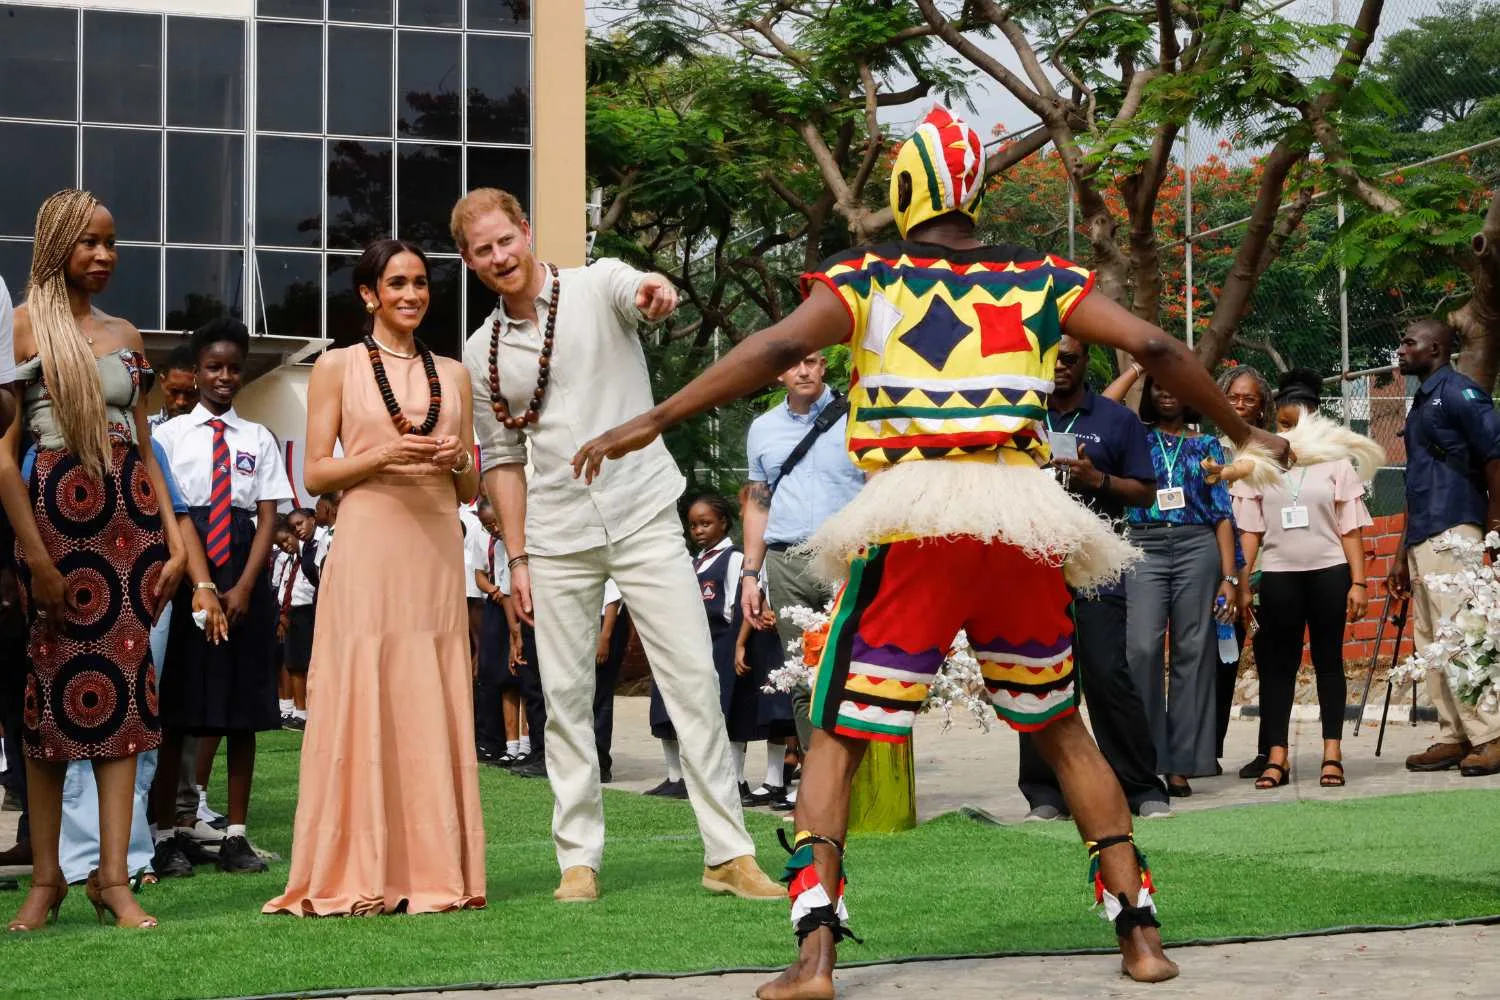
(1001, 330)
(1044, 323)
(884, 318)
(938, 334)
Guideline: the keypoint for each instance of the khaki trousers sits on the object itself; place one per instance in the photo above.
(1457, 721)
(656, 580)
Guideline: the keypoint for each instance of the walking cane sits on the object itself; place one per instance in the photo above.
(1390, 685)
(1364, 699)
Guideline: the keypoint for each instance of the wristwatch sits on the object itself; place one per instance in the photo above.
(1233, 581)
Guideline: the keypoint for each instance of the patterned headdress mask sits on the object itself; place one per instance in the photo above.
(938, 170)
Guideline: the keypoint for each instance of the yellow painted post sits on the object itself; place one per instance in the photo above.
(883, 798)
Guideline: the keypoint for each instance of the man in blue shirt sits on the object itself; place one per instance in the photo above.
(1452, 488)
(782, 510)
(1113, 471)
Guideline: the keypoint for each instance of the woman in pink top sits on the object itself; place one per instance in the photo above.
(1308, 531)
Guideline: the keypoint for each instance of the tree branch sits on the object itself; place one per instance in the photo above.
(873, 139)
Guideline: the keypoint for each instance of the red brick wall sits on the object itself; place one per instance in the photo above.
(1381, 540)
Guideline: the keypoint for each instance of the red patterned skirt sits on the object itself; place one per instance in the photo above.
(90, 685)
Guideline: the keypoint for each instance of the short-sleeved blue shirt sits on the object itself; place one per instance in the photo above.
(820, 485)
(1179, 462)
(1114, 441)
(1451, 432)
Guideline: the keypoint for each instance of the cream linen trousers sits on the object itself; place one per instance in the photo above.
(1457, 721)
(657, 583)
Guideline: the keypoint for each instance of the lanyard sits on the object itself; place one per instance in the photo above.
(1065, 430)
(1169, 459)
(1298, 491)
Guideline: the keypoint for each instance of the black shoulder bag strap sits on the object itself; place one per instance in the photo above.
(832, 414)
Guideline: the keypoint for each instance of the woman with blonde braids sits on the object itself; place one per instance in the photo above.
(96, 558)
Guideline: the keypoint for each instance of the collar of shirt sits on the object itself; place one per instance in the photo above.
(1085, 404)
(202, 415)
(813, 411)
(706, 555)
(1434, 382)
(543, 300)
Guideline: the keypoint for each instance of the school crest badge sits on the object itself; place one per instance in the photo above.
(244, 463)
(710, 590)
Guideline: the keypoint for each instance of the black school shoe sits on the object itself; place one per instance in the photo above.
(238, 857)
(764, 795)
(670, 789)
(169, 861)
(193, 852)
(534, 766)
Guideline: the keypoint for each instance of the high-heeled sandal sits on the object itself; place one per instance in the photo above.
(60, 893)
(1265, 784)
(94, 889)
(1332, 780)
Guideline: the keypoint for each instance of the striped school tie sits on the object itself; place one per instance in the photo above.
(218, 500)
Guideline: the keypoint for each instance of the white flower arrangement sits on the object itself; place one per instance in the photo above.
(1466, 646)
(959, 684)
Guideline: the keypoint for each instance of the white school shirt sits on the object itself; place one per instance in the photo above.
(704, 560)
(611, 595)
(477, 550)
(281, 571)
(599, 379)
(475, 540)
(7, 337)
(303, 592)
(254, 457)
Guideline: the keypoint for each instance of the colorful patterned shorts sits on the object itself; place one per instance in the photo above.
(896, 619)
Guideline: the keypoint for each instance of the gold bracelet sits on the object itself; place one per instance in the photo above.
(206, 586)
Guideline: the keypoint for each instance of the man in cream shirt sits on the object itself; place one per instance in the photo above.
(564, 538)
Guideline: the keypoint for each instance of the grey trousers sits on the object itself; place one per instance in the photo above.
(1174, 586)
(791, 582)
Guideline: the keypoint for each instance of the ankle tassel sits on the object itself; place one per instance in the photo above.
(1103, 896)
(811, 907)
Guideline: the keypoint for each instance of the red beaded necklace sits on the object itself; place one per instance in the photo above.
(544, 366)
(388, 396)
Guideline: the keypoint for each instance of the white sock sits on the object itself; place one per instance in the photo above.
(157, 836)
(513, 747)
(286, 705)
(775, 765)
(235, 830)
(202, 795)
(300, 713)
(523, 746)
(737, 754)
(673, 753)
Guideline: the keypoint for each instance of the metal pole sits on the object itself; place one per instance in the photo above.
(1346, 387)
(1072, 223)
(1187, 217)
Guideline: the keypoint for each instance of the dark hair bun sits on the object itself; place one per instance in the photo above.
(1299, 385)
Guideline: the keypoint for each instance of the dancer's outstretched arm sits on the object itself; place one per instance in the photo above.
(822, 320)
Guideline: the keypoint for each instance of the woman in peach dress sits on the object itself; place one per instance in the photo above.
(388, 814)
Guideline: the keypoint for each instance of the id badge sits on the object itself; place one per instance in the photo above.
(1063, 445)
(1293, 517)
(1171, 499)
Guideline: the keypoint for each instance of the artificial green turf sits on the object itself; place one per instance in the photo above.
(953, 886)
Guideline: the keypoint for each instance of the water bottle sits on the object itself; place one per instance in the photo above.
(1229, 645)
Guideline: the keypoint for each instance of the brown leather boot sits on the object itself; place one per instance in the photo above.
(1438, 757)
(1483, 761)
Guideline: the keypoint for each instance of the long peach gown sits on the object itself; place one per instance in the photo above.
(388, 813)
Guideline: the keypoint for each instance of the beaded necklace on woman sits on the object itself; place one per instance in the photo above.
(544, 366)
(388, 396)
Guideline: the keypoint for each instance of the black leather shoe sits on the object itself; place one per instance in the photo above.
(194, 854)
(1179, 789)
(606, 774)
(764, 795)
(236, 855)
(670, 789)
(1255, 767)
(535, 767)
(169, 861)
(784, 805)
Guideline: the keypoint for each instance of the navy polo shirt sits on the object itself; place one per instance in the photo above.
(1451, 432)
(1114, 440)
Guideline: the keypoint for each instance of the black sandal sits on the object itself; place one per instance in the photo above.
(1265, 784)
(1333, 780)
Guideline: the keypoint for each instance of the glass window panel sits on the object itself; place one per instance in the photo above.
(500, 15)
(442, 328)
(359, 81)
(206, 72)
(289, 192)
(346, 312)
(361, 11)
(122, 68)
(122, 167)
(205, 188)
(289, 87)
(309, 9)
(428, 182)
(203, 285)
(35, 161)
(15, 266)
(506, 169)
(481, 300)
(432, 13)
(38, 62)
(499, 89)
(428, 83)
(134, 291)
(291, 290)
(359, 193)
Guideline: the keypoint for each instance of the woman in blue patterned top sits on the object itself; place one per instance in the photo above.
(1188, 540)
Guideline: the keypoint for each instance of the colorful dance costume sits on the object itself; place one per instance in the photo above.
(959, 527)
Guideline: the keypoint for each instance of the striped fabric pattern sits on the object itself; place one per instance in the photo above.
(1030, 683)
(217, 543)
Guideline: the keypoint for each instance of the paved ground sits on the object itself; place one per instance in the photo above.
(967, 767)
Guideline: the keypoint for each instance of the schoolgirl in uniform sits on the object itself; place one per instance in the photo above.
(231, 476)
(718, 563)
(283, 577)
(497, 686)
